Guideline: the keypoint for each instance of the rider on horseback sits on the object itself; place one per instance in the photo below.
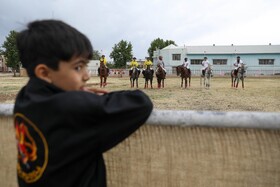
(205, 64)
(133, 64)
(186, 64)
(147, 63)
(237, 64)
(160, 63)
(104, 61)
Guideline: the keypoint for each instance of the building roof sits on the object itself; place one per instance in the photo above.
(231, 49)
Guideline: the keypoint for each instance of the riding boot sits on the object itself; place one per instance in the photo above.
(203, 73)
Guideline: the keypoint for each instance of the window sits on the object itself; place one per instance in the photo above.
(219, 61)
(176, 57)
(266, 61)
(196, 61)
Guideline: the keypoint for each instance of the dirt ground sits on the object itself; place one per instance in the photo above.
(259, 94)
(199, 153)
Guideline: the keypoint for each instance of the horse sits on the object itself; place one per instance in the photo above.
(148, 75)
(207, 77)
(134, 77)
(160, 74)
(239, 76)
(103, 74)
(185, 75)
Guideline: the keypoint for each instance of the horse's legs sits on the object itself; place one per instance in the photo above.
(182, 82)
(151, 82)
(162, 83)
(136, 82)
(204, 83)
(105, 81)
(101, 81)
(189, 81)
(158, 83)
(145, 83)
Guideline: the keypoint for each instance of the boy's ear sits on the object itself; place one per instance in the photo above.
(42, 71)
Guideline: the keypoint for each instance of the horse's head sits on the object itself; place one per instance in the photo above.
(209, 70)
(102, 63)
(241, 69)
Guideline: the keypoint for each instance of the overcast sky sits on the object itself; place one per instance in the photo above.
(187, 22)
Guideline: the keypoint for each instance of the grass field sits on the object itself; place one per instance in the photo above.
(260, 93)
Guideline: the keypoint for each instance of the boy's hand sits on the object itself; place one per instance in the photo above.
(96, 91)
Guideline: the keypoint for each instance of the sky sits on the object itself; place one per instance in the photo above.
(186, 22)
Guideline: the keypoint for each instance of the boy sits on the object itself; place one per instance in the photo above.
(205, 64)
(161, 63)
(133, 64)
(62, 128)
(103, 60)
(237, 64)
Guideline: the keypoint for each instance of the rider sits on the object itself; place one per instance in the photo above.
(205, 64)
(186, 64)
(147, 63)
(160, 63)
(237, 64)
(133, 64)
(104, 61)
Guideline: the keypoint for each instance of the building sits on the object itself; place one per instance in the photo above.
(3, 66)
(259, 59)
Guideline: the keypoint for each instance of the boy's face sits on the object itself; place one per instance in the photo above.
(71, 75)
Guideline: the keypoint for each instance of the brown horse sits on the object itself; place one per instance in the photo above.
(185, 75)
(160, 74)
(103, 74)
(148, 75)
(239, 76)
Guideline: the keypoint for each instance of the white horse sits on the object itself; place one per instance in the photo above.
(206, 77)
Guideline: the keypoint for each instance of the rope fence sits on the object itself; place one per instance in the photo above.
(181, 149)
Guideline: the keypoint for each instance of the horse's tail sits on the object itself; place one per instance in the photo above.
(177, 70)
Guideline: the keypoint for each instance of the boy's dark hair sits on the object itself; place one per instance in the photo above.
(50, 41)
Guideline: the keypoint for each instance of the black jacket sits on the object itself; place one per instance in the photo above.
(61, 135)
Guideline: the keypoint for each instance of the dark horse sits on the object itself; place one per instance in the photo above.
(134, 77)
(148, 75)
(239, 76)
(185, 75)
(160, 74)
(103, 75)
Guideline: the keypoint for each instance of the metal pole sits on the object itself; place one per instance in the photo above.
(259, 120)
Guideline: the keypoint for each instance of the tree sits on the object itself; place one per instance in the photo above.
(122, 53)
(11, 52)
(158, 44)
(96, 55)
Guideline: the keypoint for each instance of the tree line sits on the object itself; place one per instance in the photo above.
(122, 52)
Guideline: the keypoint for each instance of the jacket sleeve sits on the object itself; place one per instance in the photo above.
(109, 119)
